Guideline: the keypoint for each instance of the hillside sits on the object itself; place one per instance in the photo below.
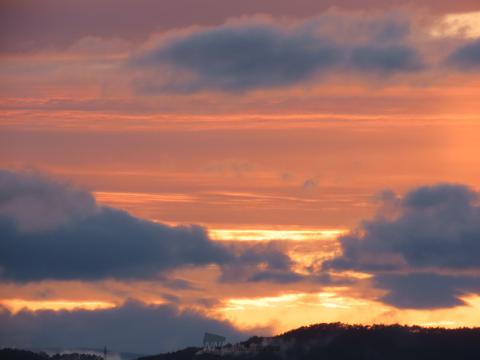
(17, 354)
(339, 341)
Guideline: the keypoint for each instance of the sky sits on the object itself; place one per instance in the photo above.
(175, 167)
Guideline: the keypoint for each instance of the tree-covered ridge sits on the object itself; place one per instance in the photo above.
(17, 354)
(338, 341)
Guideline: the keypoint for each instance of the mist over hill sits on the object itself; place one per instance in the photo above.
(339, 341)
(334, 341)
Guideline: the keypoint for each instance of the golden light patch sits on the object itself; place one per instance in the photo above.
(16, 305)
(466, 25)
(287, 311)
(354, 274)
(262, 301)
(298, 234)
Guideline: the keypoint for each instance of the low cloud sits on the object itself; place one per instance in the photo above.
(386, 59)
(244, 57)
(426, 290)
(311, 183)
(52, 230)
(132, 327)
(252, 54)
(422, 248)
(38, 203)
(259, 262)
(466, 57)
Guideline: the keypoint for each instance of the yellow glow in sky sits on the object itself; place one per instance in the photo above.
(275, 234)
(287, 311)
(463, 24)
(16, 305)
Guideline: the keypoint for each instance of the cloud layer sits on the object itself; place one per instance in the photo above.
(263, 54)
(132, 327)
(52, 230)
(422, 248)
(246, 53)
(466, 57)
(36, 203)
(244, 57)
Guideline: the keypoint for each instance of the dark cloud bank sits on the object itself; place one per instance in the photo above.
(424, 248)
(133, 327)
(251, 55)
(466, 57)
(51, 230)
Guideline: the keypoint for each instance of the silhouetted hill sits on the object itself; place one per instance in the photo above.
(49, 353)
(338, 341)
(17, 354)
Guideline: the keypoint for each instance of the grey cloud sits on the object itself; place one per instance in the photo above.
(36, 203)
(466, 57)
(281, 277)
(110, 244)
(390, 59)
(258, 262)
(434, 229)
(426, 290)
(437, 226)
(245, 57)
(269, 262)
(74, 238)
(392, 29)
(132, 327)
(250, 55)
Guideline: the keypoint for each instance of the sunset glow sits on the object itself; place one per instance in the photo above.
(249, 168)
(16, 305)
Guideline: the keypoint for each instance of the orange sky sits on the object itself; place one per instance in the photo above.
(295, 165)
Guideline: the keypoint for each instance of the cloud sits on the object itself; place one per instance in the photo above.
(132, 327)
(311, 183)
(245, 57)
(466, 57)
(252, 54)
(385, 59)
(255, 262)
(109, 244)
(52, 230)
(426, 290)
(422, 248)
(36, 203)
(281, 277)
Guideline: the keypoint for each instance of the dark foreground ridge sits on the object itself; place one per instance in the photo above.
(338, 341)
(17, 354)
(322, 341)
